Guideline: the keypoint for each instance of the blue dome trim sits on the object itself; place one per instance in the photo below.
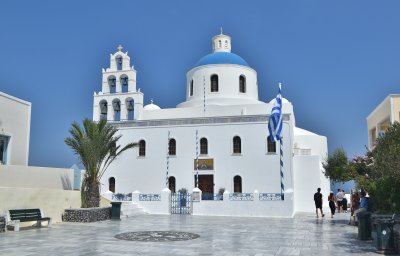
(222, 58)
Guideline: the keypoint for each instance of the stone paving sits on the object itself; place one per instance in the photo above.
(302, 235)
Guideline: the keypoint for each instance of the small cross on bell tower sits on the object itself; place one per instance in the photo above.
(120, 48)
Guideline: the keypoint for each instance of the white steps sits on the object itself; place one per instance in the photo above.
(129, 209)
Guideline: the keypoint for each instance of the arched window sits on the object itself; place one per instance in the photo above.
(191, 88)
(203, 146)
(117, 109)
(119, 62)
(129, 103)
(111, 184)
(242, 84)
(172, 184)
(237, 145)
(237, 184)
(214, 83)
(124, 80)
(271, 145)
(111, 84)
(226, 43)
(103, 110)
(113, 150)
(142, 148)
(219, 43)
(172, 147)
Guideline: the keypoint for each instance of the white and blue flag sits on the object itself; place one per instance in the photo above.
(275, 119)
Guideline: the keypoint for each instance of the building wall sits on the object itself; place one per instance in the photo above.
(15, 125)
(148, 174)
(20, 176)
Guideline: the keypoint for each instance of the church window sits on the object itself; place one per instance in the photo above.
(172, 147)
(111, 184)
(119, 62)
(103, 110)
(203, 146)
(237, 145)
(242, 84)
(191, 88)
(172, 184)
(226, 43)
(214, 83)
(124, 83)
(117, 109)
(113, 149)
(237, 184)
(129, 108)
(3, 149)
(142, 148)
(271, 145)
(112, 84)
(219, 44)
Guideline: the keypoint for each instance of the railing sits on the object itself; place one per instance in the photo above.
(270, 197)
(149, 197)
(302, 152)
(122, 197)
(212, 197)
(241, 196)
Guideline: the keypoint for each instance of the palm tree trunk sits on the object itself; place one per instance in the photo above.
(90, 194)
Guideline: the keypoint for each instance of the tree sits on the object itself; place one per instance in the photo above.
(337, 166)
(96, 146)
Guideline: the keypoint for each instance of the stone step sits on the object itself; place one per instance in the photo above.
(131, 209)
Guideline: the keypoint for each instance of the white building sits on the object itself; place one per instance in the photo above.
(223, 124)
(385, 114)
(15, 123)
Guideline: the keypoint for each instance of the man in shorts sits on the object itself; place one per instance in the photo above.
(318, 202)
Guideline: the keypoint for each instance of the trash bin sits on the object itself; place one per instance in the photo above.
(383, 235)
(364, 225)
(116, 210)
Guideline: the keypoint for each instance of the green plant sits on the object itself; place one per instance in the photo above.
(183, 191)
(221, 191)
(96, 146)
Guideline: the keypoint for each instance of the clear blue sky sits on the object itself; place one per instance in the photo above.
(336, 59)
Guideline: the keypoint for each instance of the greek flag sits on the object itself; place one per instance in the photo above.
(275, 120)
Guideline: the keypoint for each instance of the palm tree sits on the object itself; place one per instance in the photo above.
(96, 147)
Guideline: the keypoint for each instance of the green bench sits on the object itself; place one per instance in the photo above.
(14, 217)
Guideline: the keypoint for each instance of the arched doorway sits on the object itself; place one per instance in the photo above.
(111, 184)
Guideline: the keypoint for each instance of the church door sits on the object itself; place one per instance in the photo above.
(206, 185)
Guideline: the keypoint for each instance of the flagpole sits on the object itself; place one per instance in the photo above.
(197, 159)
(166, 178)
(281, 168)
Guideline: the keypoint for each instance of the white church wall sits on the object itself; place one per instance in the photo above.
(147, 174)
(306, 172)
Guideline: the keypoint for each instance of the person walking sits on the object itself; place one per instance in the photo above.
(339, 198)
(318, 202)
(332, 203)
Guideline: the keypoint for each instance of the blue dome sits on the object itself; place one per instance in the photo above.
(222, 58)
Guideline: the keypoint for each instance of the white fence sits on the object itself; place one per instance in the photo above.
(232, 204)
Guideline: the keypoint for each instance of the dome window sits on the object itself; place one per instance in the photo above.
(214, 83)
(242, 84)
(191, 88)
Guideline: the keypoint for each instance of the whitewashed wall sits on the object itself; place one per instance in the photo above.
(15, 121)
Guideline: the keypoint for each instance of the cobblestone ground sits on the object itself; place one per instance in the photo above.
(302, 235)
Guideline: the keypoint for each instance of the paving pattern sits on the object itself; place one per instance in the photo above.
(302, 235)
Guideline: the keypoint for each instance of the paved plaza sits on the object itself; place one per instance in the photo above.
(302, 235)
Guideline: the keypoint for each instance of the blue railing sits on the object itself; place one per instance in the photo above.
(270, 197)
(122, 197)
(241, 196)
(149, 197)
(212, 197)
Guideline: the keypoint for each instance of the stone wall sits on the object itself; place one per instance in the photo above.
(87, 214)
(2, 224)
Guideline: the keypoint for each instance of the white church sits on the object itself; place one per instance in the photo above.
(216, 139)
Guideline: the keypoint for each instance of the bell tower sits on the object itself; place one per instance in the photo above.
(118, 99)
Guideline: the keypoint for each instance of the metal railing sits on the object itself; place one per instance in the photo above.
(241, 196)
(270, 197)
(121, 197)
(149, 197)
(212, 197)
